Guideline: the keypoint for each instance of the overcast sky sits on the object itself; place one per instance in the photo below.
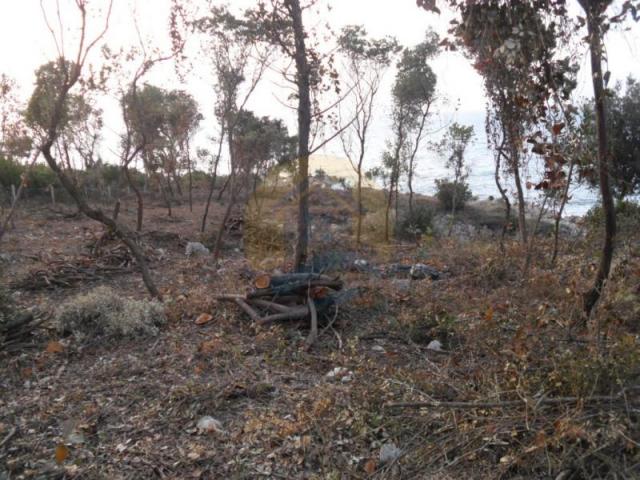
(26, 43)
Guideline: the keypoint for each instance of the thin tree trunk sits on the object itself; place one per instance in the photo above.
(522, 218)
(595, 40)
(190, 181)
(139, 198)
(360, 209)
(224, 187)
(120, 230)
(15, 199)
(232, 200)
(387, 236)
(212, 186)
(532, 238)
(505, 198)
(176, 180)
(556, 226)
(304, 127)
(412, 159)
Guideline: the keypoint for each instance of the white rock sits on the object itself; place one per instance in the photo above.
(209, 424)
(195, 248)
(389, 452)
(434, 345)
(337, 372)
(347, 378)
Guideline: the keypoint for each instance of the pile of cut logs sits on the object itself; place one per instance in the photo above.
(293, 296)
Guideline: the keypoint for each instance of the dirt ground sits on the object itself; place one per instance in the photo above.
(128, 408)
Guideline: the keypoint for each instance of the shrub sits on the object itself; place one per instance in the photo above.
(103, 312)
(627, 217)
(445, 191)
(41, 176)
(417, 223)
(111, 173)
(10, 172)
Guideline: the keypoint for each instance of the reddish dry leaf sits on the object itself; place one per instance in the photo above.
(62, 453)
(54, 347)
(209, 346)
(557, 128)
(203, 318)
(488, 315)
(370, 466)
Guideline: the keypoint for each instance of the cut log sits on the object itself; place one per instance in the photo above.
(295, 287)
(262, 281)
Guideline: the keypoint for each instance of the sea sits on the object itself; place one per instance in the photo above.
(480, 160)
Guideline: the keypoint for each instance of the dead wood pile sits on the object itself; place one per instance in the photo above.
(69, 272)
(294, 296)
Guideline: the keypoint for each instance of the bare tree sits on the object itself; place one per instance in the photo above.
(366, 61)
(53, 121)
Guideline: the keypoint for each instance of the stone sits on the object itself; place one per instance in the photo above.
(402, 285)
(195, 248)
(420, 271)
(434, 345)
(389, 452)
(361, 265)
(209, 424)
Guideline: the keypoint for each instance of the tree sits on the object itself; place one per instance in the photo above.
(454, 144)
(623, 129)
(280, 23)
(514, 49)
(15, 140)
(54, 116)
(366, 61)
(597, 22)
(413, 94)
(182, 120)
(239, 62)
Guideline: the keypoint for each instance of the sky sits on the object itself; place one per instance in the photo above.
(27, 43)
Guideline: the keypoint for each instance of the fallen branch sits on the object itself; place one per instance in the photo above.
(295, 313)
(620, 396)
(8, 437)
(248, 310)
(313, 335)
(270, 305)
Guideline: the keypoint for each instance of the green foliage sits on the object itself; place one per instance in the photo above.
(10, 172)
(41, 110)
(355, 44)
(262, 141)
(41, 176)
(623, 128)
(415, 81)
(103, 312)
(451, 194)
(110, 173)
(627, 217)
(417, 223)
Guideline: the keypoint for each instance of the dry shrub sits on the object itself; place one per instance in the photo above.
(103, 312)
